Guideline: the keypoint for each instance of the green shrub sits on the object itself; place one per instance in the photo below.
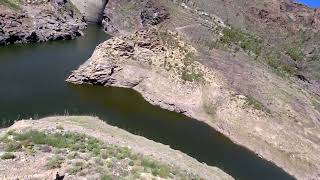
(131, 163)
(55, 162)
(57, 140)
(156, 168)
(246, 41)
(106, 177)
(8, 156)
(168, 39)
(123, 153)
(295, 53)
(280, 67)
(251, 101)
(72, 155)
(192, 76)
(104, 154)
(77, 167)
(188, 58)
(12, 146)
(315, 57)
(14, 4)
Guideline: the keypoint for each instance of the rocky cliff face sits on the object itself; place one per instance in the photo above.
(39, 22)
(121, 17)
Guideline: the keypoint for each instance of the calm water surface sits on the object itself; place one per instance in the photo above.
(32, 86)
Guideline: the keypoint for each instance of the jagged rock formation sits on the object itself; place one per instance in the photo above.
(152, 14)
(140, 14)
(39, 22)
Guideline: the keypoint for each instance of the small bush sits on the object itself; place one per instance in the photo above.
(123, 153)
(55, 162)
(12, 146)
(77, 167)
(189, 58)
(246, 41)
(280, 67)
(131, 163)
(106, 177)
(72, 155)
(14, 4)
(8, 156)
(295, 53)
(192, 76)
(104, 154)
(315, 57)
(168, 39)
(156, 168)
(251, 101)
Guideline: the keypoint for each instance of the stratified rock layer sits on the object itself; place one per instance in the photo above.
(39, 22)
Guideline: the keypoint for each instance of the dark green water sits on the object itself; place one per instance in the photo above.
(32, 86)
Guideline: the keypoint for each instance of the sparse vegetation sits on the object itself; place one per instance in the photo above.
(168, 39)
(295, 53)
(55, 162)
(188, 58)
(14, 4)
(316, 105)
(12, 146)
(246, 41)
(84, 154)
(192, 76)
(77, 167)
(8, 156)
(157, 169)
(280, 67)
(233, 39)
(253, 102)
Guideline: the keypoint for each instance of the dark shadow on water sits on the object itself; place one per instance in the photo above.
(32, 85)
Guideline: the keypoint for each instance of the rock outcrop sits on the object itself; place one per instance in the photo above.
(142, 14)
(166, 70)
(39, 22)
(152, 14)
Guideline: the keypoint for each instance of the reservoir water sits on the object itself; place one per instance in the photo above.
(33, 85)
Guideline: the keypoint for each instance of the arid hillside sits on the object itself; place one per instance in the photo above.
(235, 65)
